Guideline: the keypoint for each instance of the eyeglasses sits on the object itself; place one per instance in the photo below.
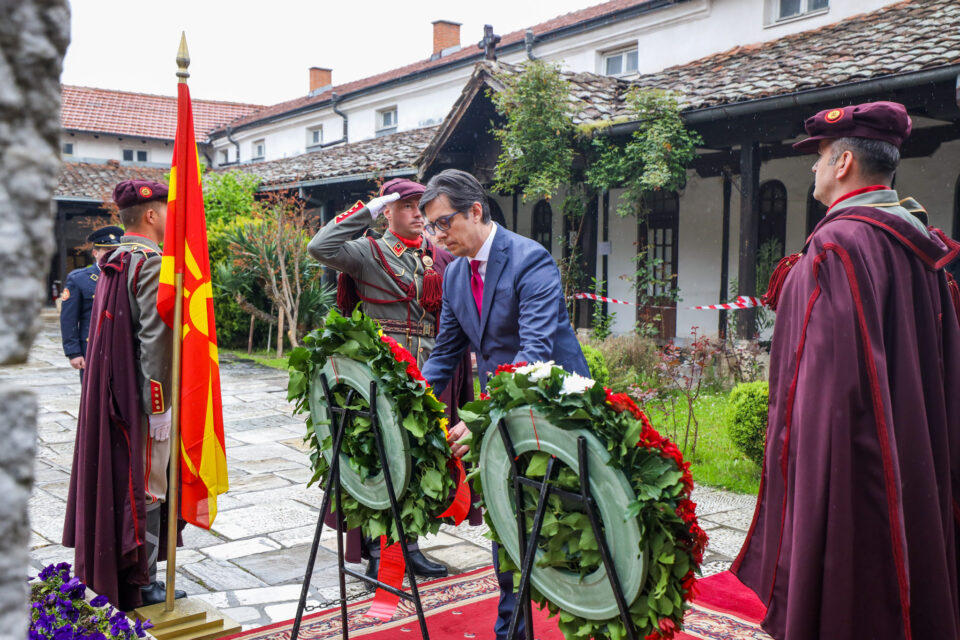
(442, 223)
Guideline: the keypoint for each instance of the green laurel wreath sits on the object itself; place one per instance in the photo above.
(418, 411)
(656, 471)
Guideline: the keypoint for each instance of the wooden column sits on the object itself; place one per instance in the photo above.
(725, 251)
(749, 230)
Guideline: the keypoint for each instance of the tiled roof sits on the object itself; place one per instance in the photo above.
(378, 155)
(139, 114)
(468, 51)
(901, 38)
(86, 181)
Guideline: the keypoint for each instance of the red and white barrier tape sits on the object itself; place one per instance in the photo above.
(742, 302)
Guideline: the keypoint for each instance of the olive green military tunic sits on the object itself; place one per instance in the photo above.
(405, 321)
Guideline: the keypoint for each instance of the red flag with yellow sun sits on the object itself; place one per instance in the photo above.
(203, 466)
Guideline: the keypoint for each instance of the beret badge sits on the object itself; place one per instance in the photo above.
(833, 115)
(146, 192)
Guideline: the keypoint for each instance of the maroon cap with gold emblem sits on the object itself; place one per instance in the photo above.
(402, 186)
(886, 121)
(132, 192)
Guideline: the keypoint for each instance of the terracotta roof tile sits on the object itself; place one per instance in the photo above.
(86, 181)
(139, 114)
(387, 153)
(468, 51)
(900, 38)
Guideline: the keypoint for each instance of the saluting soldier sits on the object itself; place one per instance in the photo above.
(398, 280)
(76, 301)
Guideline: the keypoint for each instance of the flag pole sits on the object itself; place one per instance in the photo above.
(183, 61)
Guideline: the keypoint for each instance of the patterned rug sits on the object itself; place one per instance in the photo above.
(465, 606)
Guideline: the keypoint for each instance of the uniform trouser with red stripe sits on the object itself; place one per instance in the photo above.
(156, 456)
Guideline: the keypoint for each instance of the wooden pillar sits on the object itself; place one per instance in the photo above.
(749, 230)
(61, 234)
(515, 212)
(725, 251)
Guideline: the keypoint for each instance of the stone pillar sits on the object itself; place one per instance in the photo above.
(33, 38)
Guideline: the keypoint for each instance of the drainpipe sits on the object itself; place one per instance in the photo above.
(528, 40)
(235, 143)
(334, 101)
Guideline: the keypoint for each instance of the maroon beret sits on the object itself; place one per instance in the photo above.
(405, 188)
(131, 192)
(886, 121)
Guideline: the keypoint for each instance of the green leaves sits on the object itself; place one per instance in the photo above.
(567, 541)
(357, 337)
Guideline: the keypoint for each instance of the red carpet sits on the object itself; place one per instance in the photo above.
(465, 606)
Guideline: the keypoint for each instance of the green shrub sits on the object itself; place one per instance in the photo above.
(746, 418)
(597, 364)
(628, 358)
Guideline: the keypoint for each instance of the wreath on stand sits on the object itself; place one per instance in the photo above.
(659, 572)
(352, 351)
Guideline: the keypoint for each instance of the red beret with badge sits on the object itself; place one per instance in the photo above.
(885, 121)
(403, 187)
(133, 192)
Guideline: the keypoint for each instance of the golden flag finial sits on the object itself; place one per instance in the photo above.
(183, 58)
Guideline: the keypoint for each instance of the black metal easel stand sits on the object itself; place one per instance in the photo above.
(528, 546)
(333, 488)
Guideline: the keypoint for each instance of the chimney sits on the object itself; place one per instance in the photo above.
(446, 34)
(320, 78)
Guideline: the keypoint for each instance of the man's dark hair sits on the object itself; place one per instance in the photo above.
(461, 189)
(879, 159)
(130, 217)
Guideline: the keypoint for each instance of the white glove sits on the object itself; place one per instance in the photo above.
(160, 425)
(377, 205)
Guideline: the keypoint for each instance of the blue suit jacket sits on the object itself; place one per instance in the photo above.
(523, 318)
(75, 309)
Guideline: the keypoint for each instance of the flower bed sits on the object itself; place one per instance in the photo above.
(671, 539)
(58, 611)
(418, 413)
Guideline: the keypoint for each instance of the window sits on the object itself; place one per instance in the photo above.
(773, 216)
(130, 154)
(225, 156)
(67, 149)
(542, 230)
(314, 136)
(792, 8)
(658, 243)
(259, 149)
(387, 119)
(620, 63)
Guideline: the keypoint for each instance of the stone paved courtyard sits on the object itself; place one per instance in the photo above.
(251, 563)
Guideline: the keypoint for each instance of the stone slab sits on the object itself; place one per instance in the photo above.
(736, 519)
(219, 575)
(46, 514)
(265, 450)
(243, 615)
(266, 595)
(462, 557)
(260, 519)
(275, 466)
(725, 542)
(241, 484)
(230, 550)
(286, 565)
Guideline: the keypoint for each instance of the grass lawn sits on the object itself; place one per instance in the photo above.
(261, 357)
(717, 462)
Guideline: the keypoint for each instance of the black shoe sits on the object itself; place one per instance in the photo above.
(156, 592)
(373, 565)
(425, 568)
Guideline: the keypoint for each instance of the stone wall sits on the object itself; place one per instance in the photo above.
(33, 39)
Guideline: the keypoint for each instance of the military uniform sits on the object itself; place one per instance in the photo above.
(76, 301)
(369, 262)
(153, 350)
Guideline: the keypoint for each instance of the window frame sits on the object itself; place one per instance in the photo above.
(541, 225)
(64, 146)
(623, 53)
(224, 156)
(261, 153)
(382, 128)
(312, 133)
(774, 8)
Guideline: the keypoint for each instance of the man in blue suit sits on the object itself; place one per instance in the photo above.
(502, 295)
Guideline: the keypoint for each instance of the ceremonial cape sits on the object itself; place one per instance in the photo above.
(106, 509)
(855, 531)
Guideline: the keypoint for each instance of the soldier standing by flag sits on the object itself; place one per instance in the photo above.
(123, 437)
(398, 281)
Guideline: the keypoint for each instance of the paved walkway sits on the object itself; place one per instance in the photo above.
(251, 563)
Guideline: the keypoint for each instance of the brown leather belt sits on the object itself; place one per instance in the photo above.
(417, 329)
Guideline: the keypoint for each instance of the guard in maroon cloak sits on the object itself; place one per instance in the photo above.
(855, 531)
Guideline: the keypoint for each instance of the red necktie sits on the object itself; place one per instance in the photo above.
(476, 284)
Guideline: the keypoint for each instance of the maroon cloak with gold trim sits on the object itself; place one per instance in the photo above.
(855, 534)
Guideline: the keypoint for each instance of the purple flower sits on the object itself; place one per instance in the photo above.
(99, 601)
(47, 571)
(64, 633)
